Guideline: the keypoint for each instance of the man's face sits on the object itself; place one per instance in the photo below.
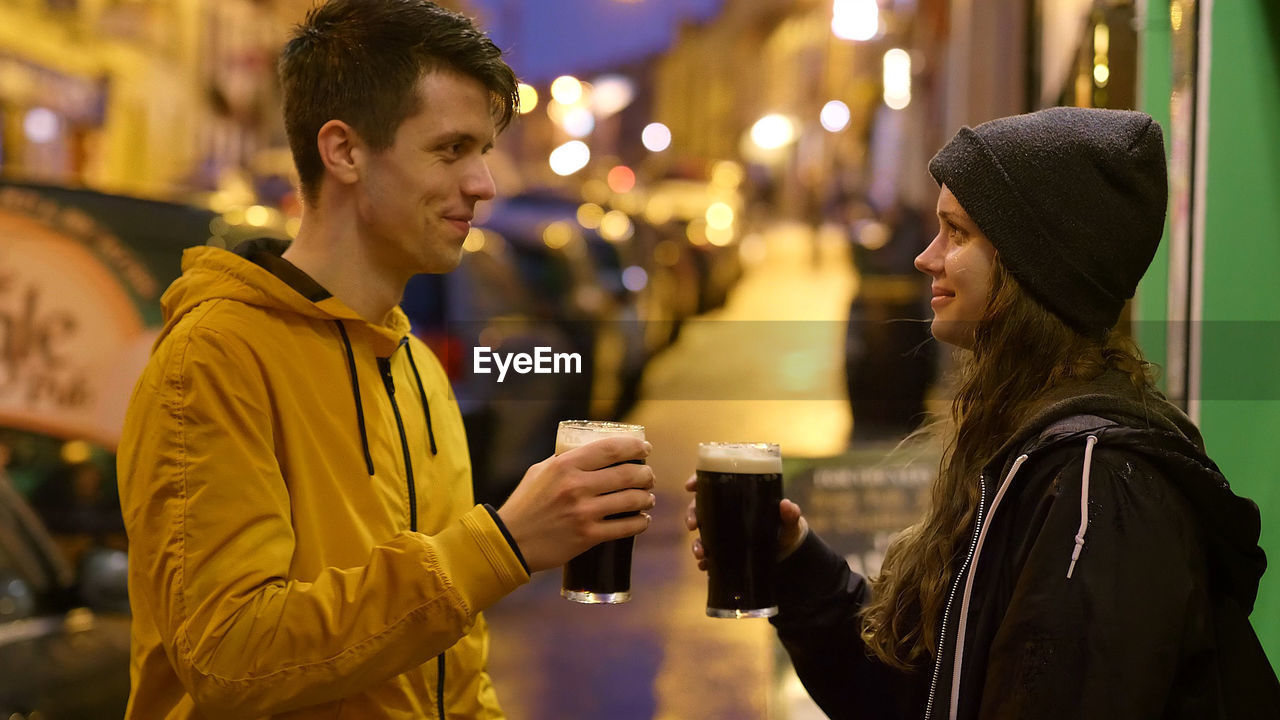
(417, 197)
(959, 260)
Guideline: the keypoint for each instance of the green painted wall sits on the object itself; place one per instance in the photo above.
(1240, 415)
(1240, 374)
(1155, 82)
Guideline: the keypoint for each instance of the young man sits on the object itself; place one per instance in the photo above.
(294, 475)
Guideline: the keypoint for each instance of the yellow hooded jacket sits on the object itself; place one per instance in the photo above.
(297, 493)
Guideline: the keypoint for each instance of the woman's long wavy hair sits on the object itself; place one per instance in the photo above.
(1020, 350)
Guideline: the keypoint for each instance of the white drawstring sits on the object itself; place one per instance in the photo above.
(1084, 503)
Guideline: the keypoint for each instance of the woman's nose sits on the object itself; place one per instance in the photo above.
(929, 261)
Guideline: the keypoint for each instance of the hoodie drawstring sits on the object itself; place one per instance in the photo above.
(1084, 503)
(426, 409)
(355, 389)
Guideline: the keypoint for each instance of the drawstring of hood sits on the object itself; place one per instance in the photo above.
(1084, 503)
(355, 390)
(958, 661)
(422, 392)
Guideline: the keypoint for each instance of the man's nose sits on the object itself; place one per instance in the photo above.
(479, 182)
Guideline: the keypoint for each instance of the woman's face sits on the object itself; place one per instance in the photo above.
(959, 260)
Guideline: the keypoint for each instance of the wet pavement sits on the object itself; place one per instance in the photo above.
(659, 657)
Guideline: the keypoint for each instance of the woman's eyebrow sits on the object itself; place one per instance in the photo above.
(954, 218)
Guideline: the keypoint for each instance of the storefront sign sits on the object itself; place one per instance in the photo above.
(72, 339)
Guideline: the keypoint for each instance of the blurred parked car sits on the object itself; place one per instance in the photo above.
(484, 303)
(579, 281)
(680, 208)
(64, 633)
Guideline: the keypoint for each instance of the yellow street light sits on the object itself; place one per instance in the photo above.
(773, 131)
(566, 89)
(855, 19)
(897, 78)
(528, 97)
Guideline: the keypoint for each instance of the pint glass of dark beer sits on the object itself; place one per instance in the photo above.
(738, 490)
(603, 573)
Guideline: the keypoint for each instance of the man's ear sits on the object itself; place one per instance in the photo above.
(340, 150)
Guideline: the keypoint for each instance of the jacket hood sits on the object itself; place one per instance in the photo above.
(210, 273)
(1111, 409)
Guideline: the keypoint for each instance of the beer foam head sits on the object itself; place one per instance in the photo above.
(574, 433)
(755, 458)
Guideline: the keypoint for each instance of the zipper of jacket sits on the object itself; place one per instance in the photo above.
(440, 686)
(946, 613)
(384, 367)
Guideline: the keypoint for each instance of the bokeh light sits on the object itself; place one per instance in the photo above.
(634, 278)
(528, 97)
(578, 121)
(773, 131)
(656, 137)
(727, 174)
(475, 240)
(659, 210)
(719, 216)
(566, 89)
(615, 226)
(621, 179)
(720, 237)
(834, 116)
(257, 215)
(557, 234)
(75, 452)
(612, 93)
(41, 125)
(855, 19)
(897, 78)
(570, 157)
(590, 215)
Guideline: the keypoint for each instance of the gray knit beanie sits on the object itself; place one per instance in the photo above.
(1073, 199)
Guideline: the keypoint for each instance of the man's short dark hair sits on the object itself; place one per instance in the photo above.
(359, 61)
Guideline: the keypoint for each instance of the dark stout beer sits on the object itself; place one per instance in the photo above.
(738, 490)
(602, 574)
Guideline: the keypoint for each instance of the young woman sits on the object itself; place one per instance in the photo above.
(1081, 556)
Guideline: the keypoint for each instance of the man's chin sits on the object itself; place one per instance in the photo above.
(444, 262)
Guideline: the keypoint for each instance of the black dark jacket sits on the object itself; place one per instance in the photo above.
(1148, 619)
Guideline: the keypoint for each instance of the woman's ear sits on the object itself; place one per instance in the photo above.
(339, 147)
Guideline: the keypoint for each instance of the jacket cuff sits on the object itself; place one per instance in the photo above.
(493, 515)
(797, 573)
(480, 562)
